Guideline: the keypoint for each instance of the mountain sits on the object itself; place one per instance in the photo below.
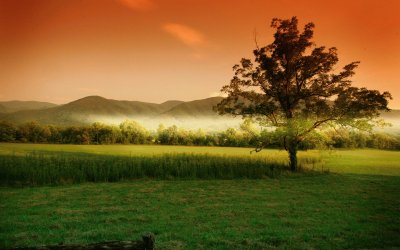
(194, 109)
(97, 105)
(14, 106)
(90, 109)
(3, 109)
(170, 104)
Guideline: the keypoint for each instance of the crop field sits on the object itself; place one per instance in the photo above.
(342, 199)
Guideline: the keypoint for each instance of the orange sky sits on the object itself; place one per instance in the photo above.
(156, 50)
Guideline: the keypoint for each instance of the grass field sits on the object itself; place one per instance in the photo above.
(358, 161)
(356, 205)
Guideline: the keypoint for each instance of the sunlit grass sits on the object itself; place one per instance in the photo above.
(129, 150)
(362, 161)
(367, 161)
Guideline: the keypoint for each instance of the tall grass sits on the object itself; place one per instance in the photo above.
(47, 169)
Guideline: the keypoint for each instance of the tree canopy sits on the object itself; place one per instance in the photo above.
(294, 85)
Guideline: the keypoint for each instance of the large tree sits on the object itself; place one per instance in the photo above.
(294, 85)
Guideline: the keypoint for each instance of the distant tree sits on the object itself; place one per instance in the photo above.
(384, 141)
(185, 137)
(8, 132)
(133, 132)
(95, 130)
(250, 134)
(76, 135)
(230, 137)
(103, 134)
(293, 85)
(33, 132)
(168, 136)
(84, 136)
(56, 136)
(108, 135)
(199, 137)
(115, 134)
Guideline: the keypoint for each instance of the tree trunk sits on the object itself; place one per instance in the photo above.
(292, 149)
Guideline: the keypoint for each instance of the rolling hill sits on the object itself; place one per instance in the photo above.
(14, 106)
(170, 104)
(193, 109)
(96, 105)
(3, 109)
(95, 108)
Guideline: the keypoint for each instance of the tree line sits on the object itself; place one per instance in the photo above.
(131, 132)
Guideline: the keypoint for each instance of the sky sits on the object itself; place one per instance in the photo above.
(158, 50)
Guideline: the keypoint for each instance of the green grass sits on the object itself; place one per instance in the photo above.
(355, 206)
(50, 169)
(363, 161)
(320, 212)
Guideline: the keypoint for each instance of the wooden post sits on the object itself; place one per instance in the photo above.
(149, 241)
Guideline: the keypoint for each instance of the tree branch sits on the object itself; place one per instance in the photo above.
(314, 126)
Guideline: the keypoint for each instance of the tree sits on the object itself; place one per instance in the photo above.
(95, 129)
(293, 86)
(33, 132)
(133, 132)
(7, 132)
(199, 137)
(250, 134)
(103, 134)
(230, 137)
(56, 136)
(168, 136)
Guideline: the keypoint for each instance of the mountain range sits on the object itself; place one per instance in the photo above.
(96, 108)
(192, 114)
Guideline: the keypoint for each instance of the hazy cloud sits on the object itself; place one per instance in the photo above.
(185, 34)
(138, 4)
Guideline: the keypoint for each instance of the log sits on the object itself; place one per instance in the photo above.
(147, 243)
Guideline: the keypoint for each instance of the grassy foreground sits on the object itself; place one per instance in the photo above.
(355, 206)
(320, 212)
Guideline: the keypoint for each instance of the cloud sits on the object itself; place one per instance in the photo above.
(138, 4)
(185, 34)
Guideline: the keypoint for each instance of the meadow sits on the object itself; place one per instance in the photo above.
(342, 199)
(30, 165)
